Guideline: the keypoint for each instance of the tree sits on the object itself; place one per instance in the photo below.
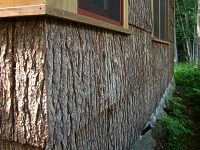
(186, 29)
(198, 34)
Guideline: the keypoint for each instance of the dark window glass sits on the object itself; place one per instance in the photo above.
(162, 19)
(156, 18)
(167, 23)
(160, 9)
(105, 8)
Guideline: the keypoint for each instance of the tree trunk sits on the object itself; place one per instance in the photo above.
(198, 34)
(175, 44)
(185, 25)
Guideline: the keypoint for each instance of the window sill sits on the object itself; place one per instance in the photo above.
(86, 20)
(154, 39)
(36, 10)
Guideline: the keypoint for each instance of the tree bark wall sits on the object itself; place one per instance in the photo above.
(140, 14)
(66, 85)
(23, 114)
(105, 84)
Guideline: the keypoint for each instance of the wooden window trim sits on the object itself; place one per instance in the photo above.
(86, 20)
(159, 39)
(155, 39)
(61, 10)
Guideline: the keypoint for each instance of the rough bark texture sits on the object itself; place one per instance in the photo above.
(105, 86)
(99, 87)
(8, 145)
(23, 111)
(140, 14)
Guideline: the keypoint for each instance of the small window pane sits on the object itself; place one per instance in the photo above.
(156, 18)
(162, 19)
(166, 31)
(106, 8)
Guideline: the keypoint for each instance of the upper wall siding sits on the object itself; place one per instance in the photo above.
(140, 14)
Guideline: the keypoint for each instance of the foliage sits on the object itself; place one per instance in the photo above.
(185, 101)
(177, 125)
(186, 12)
(187, 77)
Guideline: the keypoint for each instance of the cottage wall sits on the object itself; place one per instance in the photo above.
(23, 95)
(66, 85)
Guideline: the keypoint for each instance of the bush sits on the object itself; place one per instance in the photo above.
(185, 101)
(188, 81)
(177, 125)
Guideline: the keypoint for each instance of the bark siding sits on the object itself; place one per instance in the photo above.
(23, 115)
(140, 14)
(102, 86)
(66, 86)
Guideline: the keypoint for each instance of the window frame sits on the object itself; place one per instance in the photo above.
(67, 10)
(167, 29)
(102, 18)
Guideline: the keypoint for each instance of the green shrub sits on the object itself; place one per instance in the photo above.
(185, 101)
(188, 81)
(177, 125)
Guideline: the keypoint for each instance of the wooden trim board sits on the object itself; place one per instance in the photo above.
(17, 3)
(160, 41)
(66, 9)
(68, 5)
(23, 11)
(125, 15)
(86, 20)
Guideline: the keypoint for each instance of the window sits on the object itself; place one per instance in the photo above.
(161, 19)
(106, 10)
(107, 14)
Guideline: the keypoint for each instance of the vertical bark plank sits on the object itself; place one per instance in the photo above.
(23, 88)
(102, 86)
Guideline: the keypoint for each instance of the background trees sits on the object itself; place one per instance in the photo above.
(186, 30)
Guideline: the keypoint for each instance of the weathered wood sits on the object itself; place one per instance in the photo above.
(23, 115)
(66, 85)
(102, 87)
(140, 14)
(8, 145)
